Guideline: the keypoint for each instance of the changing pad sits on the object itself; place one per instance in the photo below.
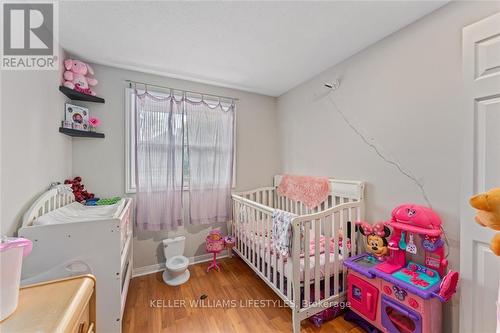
(76, 212)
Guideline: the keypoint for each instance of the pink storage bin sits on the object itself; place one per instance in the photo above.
(12, 251)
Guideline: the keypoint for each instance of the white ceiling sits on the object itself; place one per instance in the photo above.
(263, 47)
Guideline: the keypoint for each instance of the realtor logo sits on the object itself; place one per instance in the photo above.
(28, 39)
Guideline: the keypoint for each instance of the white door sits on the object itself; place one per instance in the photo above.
(478, 265)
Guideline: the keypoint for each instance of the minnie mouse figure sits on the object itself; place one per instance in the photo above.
(376, 242)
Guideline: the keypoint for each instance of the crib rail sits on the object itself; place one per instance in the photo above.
(50, 200)
(305, 282)
(312, 277)
(324, 277)
(265, 196)
(342, 191)
(252, 222)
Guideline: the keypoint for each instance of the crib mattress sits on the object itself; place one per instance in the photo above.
(76, 212)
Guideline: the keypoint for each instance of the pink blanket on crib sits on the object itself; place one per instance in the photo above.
(322, 246)
(312, 191)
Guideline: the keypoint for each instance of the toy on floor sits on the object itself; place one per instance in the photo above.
(488, 214)
(229, 242)
(400, 295)
(355, 318)
(176, 264)
(214, 244)
(327, 314)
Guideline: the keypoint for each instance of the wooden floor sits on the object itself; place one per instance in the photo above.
(151, 305)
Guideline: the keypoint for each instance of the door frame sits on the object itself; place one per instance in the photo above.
(474, 88)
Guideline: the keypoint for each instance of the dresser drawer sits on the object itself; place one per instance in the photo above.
(83, 324)
(59, 306)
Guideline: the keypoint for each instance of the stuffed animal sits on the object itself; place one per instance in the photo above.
(214, 241)
(76, 78)
(376, 242)
(488, 214)
(215, 235)
(79, 191)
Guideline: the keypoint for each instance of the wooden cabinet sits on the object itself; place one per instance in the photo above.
(65, 305)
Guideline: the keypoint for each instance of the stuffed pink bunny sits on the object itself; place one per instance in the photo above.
(75, 76)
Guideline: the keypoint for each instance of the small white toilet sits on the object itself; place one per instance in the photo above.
(176, 272)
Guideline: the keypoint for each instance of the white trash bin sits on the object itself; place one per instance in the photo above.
(12, 251)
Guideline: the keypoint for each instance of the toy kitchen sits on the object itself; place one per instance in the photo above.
(387, 289)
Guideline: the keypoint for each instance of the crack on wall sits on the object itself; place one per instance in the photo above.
(370, 143)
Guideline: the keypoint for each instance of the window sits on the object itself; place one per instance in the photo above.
(130, 140)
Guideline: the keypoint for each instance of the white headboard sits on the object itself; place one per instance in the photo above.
(56, 197)
(352, 189)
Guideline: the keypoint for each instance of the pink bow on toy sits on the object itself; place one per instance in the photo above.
(375, 229)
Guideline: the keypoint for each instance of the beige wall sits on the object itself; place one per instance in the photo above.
(404, 92)
(33, 152)
(101, 163)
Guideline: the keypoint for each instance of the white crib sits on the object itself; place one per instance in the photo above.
(323, 272)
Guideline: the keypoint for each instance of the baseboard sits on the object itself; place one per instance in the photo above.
(145, 270)
(205, 257)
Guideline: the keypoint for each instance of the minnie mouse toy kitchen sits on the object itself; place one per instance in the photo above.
(392, 293)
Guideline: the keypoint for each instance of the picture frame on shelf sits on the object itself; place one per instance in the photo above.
(78, 116)
(67, 124)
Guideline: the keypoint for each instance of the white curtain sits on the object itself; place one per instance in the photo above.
(210, 154)
(159, 161)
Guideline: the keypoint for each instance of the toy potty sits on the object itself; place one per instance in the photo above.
(395, 293)
(214, 244)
